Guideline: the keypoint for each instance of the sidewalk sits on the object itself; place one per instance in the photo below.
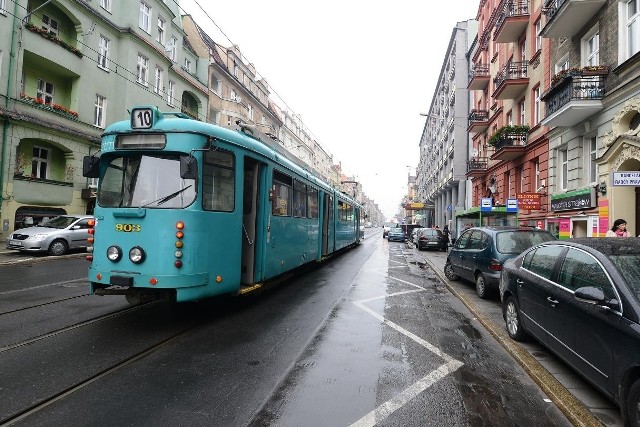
(581, 403)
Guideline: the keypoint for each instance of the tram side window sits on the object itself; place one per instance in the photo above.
(218, 182)
(345, 211)
(299, 199)
(282, 193)
(312, 197)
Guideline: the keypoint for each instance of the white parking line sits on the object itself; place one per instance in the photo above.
(383, 411)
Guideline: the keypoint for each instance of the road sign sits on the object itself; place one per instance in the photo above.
(486, 204)
(512, 205)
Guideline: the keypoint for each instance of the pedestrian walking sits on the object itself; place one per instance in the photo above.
(619, 229)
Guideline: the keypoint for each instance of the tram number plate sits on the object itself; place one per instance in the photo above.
(15, 242)
(128, 228)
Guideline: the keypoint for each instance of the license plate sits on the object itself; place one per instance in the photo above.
(15, 243)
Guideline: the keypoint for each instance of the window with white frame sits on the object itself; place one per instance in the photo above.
(3, 6)
(40, 162)
(161, 30)
(143, 70)
(509, 120)
(523, 52)
(522, 182)
(536, 177)
(144, 21)
(187, 65)
(232, 95)
(591, 47)
(523, 111)
(46, 91)
(250, 112)
(103, 52)
(106, 5)
(215, 84)
(630, 21)
(562, 65)
(100, 111)
(563, 163)
(50, 24)
(171, 93)
(536, 105)
(157, 87)
(173, 52)
(591, 147)
(538, 30)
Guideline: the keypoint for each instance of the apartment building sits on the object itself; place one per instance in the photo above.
(69, 68)
(593, 112)
(441, 181)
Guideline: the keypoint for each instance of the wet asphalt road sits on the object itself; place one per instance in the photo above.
(367, 339)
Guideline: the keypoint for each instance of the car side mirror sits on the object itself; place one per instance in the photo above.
(188, 167)
(91, 167)
(595, 295)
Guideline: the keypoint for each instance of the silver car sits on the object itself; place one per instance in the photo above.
(55, 236)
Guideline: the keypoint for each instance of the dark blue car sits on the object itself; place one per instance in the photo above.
(396, 235)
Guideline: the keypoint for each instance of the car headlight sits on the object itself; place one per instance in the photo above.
(136, 255)
(114, 253)
(38, 237)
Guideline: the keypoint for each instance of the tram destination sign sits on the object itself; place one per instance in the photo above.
(626, 179)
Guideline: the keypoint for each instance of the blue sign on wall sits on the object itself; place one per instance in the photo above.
(512, 205)
(486, 204)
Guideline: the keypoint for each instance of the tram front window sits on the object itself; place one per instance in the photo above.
(151, 181)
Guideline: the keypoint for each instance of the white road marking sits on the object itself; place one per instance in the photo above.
(383, 411)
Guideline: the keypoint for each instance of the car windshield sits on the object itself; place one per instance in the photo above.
(518, 241)
(396, 231)
(59, 222)
(629, 267)
(142, 180)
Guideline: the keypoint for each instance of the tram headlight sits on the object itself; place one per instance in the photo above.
(137, 255)
(114, 253)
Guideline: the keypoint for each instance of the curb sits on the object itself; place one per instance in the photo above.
(575, 411)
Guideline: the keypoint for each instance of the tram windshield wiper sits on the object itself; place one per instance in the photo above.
(165, 199)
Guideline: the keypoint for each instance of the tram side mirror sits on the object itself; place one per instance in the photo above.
(91, 167)
(188, 167)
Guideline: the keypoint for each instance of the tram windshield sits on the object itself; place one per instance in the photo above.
(145, 180)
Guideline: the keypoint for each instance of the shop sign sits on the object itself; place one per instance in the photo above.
(414, 206)
(529, 201)
(581, 199)
(626, 179)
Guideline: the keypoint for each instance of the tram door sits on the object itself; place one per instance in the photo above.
(250, 209)
(326, 205)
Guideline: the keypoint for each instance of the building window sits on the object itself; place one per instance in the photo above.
(103, 53)
(50, 24)
(143, 70)
(591, 146)
(3, 6)
(45, 91)
(100, 111)
(157, 87)
(522, 113)
(106, 5)
(536, 105)
(509, 120)
(523, 52)
(171, 93)
(215, 84)
(564, 168)
(630, 18)
(145, 17)
(250, 112)
(536, 177)
(562, 65)
(40, 163)
(521, 176)
(173, 51)
(161, 31)
(187, 65)
(538, 39)
(591, 48)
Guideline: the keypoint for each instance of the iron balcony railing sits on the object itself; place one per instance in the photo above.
(551, 8)
(477, 164)
(479, 70)
(512, 8)
(511, 139)
(511, 71)
(574, 88)
(478, 116)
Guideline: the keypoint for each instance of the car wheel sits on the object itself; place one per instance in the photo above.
(448, 272)
(632, 407)
(481, 286)
(58, 247)
(511, 315)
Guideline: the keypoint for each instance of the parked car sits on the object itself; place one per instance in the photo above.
(480, 252)
(581, 299)
(414, 236)
(386, 227)
(55, 236)
(396, 235)
(430, 238)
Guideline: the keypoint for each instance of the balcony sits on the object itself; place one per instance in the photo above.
(566, 17)
(512, 21)
(477, 166)
(478, 121)
(35, 191)
(479, 77)
(509, 142)
(573, 99)
(511, 81)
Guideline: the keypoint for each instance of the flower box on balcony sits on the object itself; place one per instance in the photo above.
(506, 134)
(48, 35)
(54, 108)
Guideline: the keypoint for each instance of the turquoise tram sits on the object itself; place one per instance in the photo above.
(190, 210)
